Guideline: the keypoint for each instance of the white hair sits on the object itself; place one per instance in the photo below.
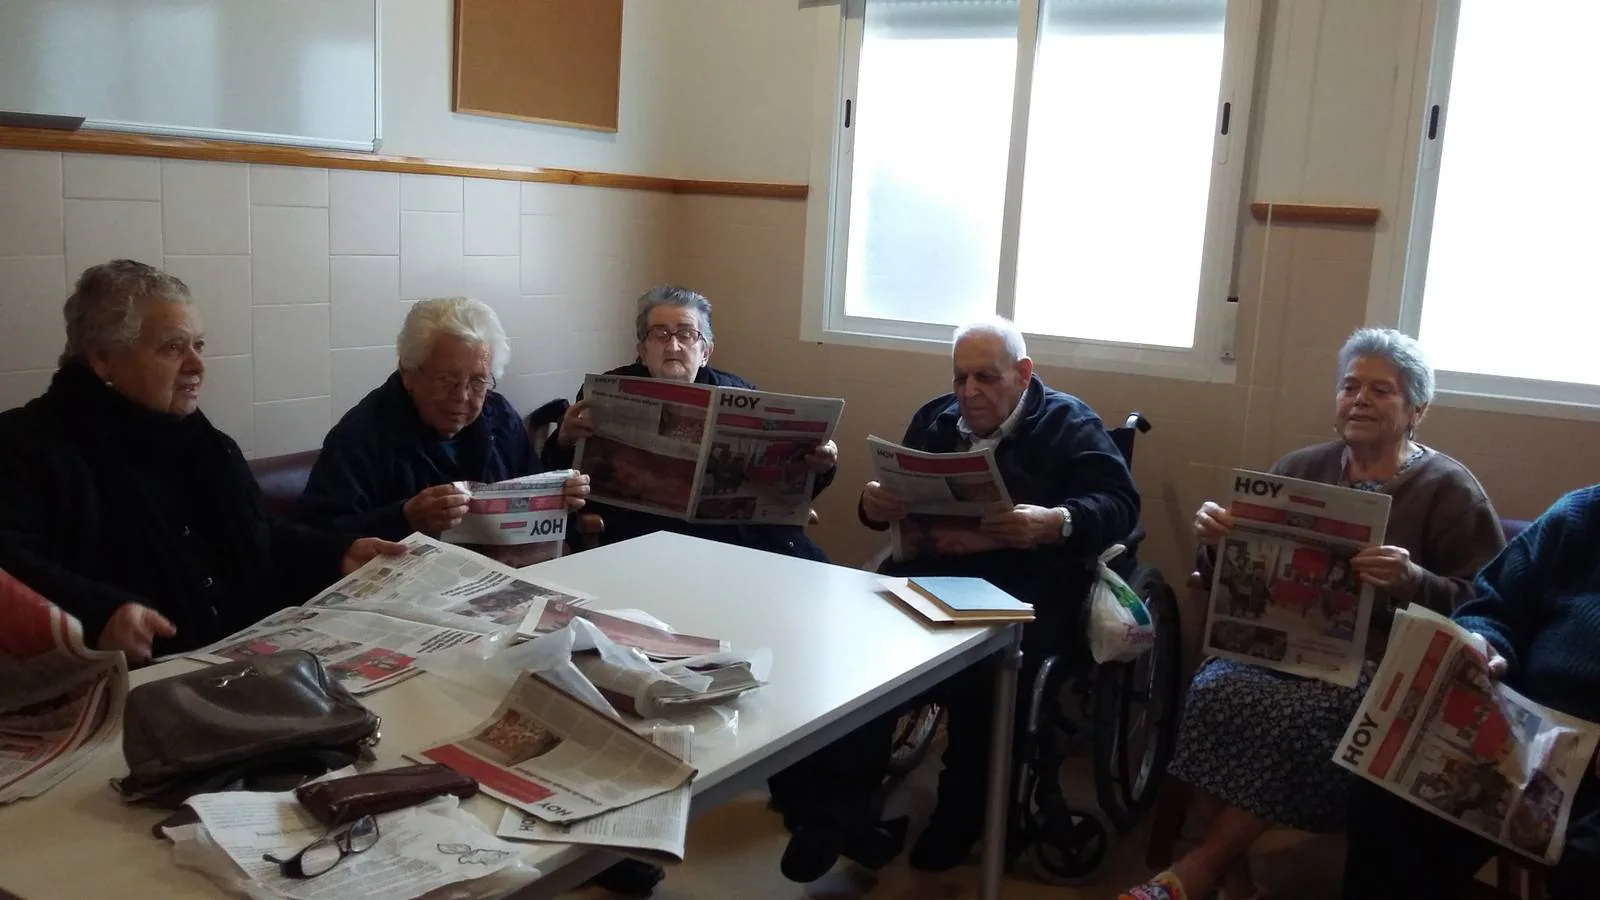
(998, 326)
(471, 321)
(104, 311)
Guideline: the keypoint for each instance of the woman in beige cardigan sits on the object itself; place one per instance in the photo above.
(1257, 744)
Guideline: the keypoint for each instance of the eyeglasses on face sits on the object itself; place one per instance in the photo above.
(320, 856)
(445, 383)
(661, 334)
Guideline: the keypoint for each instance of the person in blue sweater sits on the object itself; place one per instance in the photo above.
(675, 344)
(1074, 497)
(389, 467)
(1537, 608)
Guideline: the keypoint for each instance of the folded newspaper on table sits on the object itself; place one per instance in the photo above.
(1437, 731)
(653, 829)
(554, 613)
(1284, 594)
(703, 453)
(946, 495)
(371, 627)
(517, 522)
(555, 757)
(60, 702)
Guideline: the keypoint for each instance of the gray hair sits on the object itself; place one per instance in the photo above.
(671, 295)
(471, 321)
(1402, 351)
(998, 326)
(103, 311)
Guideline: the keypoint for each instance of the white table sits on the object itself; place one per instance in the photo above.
(843, 655)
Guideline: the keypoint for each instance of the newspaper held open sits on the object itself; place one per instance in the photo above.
(1436, 730)
(553, 756)
(517, 522)
(60, 702)
(946, 494)
(1284, 594)
(703, 453)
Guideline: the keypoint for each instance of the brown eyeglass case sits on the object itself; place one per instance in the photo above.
(346, 799)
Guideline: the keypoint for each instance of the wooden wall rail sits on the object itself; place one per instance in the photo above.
(269, 154)
(1312, 214)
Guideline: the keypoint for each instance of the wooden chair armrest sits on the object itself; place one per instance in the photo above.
(1195, 582)
(591, 524)
(812, 518)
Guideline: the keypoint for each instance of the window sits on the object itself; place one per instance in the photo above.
(1073, 164)
(1497, 283)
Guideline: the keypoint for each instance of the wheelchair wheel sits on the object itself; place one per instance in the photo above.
(913, 734)
(1068, 846)
(1136, 711)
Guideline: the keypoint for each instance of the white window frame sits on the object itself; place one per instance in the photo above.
(1400, 257)
(823, 318)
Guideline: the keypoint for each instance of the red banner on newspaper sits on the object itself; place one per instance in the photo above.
(756, 423)
(960, 465)
(497, 506)
(670, 392)
(33, 625)
(1270, 515)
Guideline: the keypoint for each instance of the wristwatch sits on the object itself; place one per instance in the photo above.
(1066, 522)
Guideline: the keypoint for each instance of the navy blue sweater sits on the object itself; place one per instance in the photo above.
(382, 454)
(1538, 603)
(1058, 454)
(621, 524)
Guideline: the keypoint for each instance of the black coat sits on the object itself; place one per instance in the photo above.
(104, 503)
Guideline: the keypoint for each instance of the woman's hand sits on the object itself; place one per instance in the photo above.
(132, 629)
(880, 504)
(1495, 663)
(1388, 568)
(576, 489)
(1212, 523)
(575, 424)
(365, 549)
(825, 457)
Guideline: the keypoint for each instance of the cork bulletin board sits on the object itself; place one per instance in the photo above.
(557, 62)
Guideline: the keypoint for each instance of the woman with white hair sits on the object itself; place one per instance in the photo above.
(1257, 744)
(390, 466)
(121, 503)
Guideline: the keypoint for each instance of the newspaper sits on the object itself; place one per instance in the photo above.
(703, 453)
(1437, 731)
(553, 613)
(551, 755)
(517, 522)
(653, 829)
(946, 495)
(60, 702)
(1284, 594)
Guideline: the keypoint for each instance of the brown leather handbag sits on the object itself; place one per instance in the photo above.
(262, 723)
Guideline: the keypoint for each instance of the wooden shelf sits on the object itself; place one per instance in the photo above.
(1312, 214)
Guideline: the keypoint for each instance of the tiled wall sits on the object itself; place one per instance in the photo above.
(302, 274)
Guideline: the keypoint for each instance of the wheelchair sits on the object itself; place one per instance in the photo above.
(1123, 715)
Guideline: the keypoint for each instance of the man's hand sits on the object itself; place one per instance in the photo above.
(1495, 662)
(132, 629)
(1023, 527)
(879, 504)
(825, 457)
(363, 550)
(575, 424)
(576, 489)
(1388, 568)
(436, 509)
(1212, 523)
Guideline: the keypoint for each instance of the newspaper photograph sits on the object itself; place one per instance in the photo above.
(1436, 730)
(517, 522)
(557, 758)
(61, 702)
(703, 453)
(551, 614)
(1283, 594)
(946, 495)
(653, 829)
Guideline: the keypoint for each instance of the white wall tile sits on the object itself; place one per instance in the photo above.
(288, 186)
(365, 305)
(205, 207)
(430, 255)
(430, 193)
(290, 262)
(549, 251)
(492, 279)
(30, 203)
(291, 352)
(291, 426)
(543, 199)
(228, 398)
(31, 291)
(356, 373)
(98, 231)
(17, 388)
(543, 349)
(221, 288)
(96, 176)
(529, 392)
(491, 224)
(364, 213)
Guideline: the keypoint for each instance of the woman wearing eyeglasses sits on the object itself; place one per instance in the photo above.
(390, 466)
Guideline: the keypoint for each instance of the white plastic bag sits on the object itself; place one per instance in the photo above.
(1120, 628)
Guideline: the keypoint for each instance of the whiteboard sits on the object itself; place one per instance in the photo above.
(297, 72)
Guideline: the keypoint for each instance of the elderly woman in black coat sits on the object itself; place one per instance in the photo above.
(123, 504)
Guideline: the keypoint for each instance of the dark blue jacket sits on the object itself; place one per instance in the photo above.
(621, 524)
(382, 454)
(1058, 454)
